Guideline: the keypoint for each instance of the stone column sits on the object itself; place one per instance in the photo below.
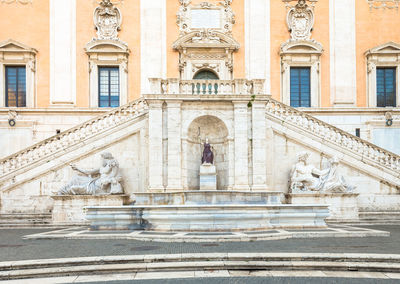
(155, 146)
(241, 146)
(174, 146)
(259, 147)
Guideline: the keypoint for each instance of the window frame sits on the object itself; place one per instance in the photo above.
(394, 85)
(109, 68)
(309, 85)
(6, 84)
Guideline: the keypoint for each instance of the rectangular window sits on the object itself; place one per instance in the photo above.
(300, 87)
(15, 86)
(385, 87)
(108, 86)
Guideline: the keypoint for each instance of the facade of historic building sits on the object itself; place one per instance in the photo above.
(337, 59)
(150, 81)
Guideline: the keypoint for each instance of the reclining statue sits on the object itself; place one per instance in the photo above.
(305, 177)
(102, 181)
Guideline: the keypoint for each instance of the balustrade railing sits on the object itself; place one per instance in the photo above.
(362, 148)
(206, 87)
(72, 136)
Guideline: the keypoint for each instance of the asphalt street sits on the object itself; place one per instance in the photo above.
(13, 247)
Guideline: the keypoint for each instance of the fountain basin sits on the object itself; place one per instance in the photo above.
(217, 217)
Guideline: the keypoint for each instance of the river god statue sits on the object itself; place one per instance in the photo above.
(101, 181)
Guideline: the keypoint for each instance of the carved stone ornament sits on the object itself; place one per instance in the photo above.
(24, 2)
(300, 21)
(223, 17)
(383, 4)
(107, 20)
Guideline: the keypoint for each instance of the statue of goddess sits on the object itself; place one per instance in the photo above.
(101, 181)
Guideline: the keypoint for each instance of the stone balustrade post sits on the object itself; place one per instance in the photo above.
(155, 86)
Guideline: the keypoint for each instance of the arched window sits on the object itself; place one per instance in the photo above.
(205, 87)
(205, 75)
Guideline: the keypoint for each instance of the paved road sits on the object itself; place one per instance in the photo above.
(13, 247)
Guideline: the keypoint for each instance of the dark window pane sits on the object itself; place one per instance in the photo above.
(108, 86)
(385, 87)
(15, 86)
(300, 87)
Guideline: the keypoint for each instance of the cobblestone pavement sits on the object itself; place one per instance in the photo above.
(13, 247)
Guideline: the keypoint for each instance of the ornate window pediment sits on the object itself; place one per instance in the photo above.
(301, 46)
(16, 47)
(387, 48)
(205, 38)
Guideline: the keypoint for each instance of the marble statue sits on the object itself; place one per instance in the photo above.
(333, 181)
(305, 177)
(102, 181)
(208, 156)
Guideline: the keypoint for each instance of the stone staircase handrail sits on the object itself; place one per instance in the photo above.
(333, 134)
(72, 136)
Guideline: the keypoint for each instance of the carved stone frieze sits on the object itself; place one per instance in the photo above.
(24, 2)
(383, 4)
(221, 15)
(107, 20)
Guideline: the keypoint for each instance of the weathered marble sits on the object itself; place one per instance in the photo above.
(342, 206)
(207, 217)
(208, 177)
(69, 209)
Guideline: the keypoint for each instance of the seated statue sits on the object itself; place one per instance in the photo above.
(101, 181)
(304, 177)
(208, 156)
(333, 181)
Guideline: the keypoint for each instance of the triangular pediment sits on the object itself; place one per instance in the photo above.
(11, 45)
(388, 48)
(301, 46)
(206, 39)
(106, 46)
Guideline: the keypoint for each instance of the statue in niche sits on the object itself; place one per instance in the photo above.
(305, 177)
(208, 156)
(102, 181)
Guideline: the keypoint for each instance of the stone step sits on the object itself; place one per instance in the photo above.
(196, 262)
(18, 220)
(379, 216)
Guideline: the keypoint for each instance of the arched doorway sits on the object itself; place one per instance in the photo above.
(205, 87)
(216, 131)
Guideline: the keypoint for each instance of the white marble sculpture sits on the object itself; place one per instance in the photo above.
(305, 177)
(102, 181)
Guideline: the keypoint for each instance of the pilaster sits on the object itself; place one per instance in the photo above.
(155, 146)
(174, 146)
(241, 146)
(259, 147)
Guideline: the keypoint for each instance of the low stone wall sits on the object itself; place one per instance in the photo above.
(342, 206)
(69, 209)
(207, 217)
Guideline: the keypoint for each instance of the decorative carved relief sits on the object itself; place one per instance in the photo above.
(107, 20)
(300, 21)
(190, 18)
(24, 2)
(383, 4)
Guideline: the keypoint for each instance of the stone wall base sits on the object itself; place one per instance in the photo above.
(69, 209)
(342, 206)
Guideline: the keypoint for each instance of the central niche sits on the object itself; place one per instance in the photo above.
(215, 130)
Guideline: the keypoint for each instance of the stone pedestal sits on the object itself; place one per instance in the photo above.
(208, 177)
(69, 209)
(342, 206)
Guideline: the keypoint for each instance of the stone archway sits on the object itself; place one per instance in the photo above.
(216, 131)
